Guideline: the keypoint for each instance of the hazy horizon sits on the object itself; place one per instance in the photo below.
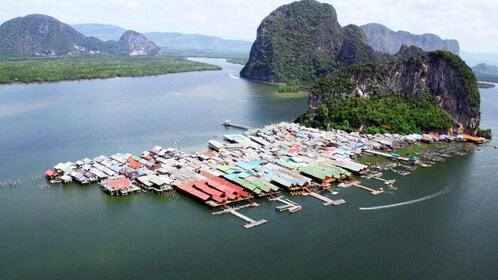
(471, 23)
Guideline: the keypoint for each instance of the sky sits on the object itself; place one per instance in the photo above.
(473, 23)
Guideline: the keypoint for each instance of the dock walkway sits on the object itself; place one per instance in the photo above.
(377, 177)
(372, 191)
(377, 153)
(289, 205)
(327, 201)
(230, 124)
(250, 222)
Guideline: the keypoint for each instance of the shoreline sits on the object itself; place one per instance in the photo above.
(117, 65)
(97, 78)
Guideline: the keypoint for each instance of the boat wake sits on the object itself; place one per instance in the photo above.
(443, 191)
(233, 76)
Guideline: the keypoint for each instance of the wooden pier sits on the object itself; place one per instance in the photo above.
(372, 191)
(390, 156)
(289, 205)
(377, 177)
(326, 201)
(250, 222)
(230, 124)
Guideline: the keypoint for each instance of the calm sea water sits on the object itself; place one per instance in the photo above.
(75, 232)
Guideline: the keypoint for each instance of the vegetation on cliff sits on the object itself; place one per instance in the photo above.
(303, 40)
(48, 70)
(291, 86)
(486, 133)
(410, 93)
(393, 113)
(464, 72)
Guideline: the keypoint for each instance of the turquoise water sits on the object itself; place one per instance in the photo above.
(78, 232)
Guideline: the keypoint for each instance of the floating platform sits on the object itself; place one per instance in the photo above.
(250, 222)
(372, 191)
(230, 124)
(327, 201)
(289, 205)
(377, 177)
(390, 156)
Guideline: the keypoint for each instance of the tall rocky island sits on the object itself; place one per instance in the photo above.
(356, 87)
(303, 40)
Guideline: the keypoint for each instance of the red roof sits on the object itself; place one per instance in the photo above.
(119, 184)
(435, 135)
(134, 164)
(51, 173)
(208, 153)
(240, 191)
(229, 192)
(201, 185)
(292, 150)
(217, 198)
(190, 190)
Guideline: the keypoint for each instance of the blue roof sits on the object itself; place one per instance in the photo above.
(244, 165)
(265, 131)
(116, 168)
(140, 172)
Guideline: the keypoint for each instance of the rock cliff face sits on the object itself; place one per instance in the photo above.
(440, 73)
(385, 40)
(135, 43)
(303, 40)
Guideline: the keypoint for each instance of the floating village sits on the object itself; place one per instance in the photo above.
(259, 164)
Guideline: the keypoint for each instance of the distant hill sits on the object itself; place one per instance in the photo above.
(476, 58)
(168, 40)
(44, 35)
(134, 43)
(104, 32)
(173, 40)
(41, 35)
(486, 73)
(385, 40)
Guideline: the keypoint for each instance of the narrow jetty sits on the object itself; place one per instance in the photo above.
(326, 201)
(377, 176)
(390, 156)
(372, 191)
(250, 222)
(289, 205)
(230, 124)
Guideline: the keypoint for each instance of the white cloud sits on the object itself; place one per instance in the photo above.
(473, 23)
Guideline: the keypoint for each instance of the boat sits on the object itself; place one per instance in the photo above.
(294, 209)
(283, 208)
